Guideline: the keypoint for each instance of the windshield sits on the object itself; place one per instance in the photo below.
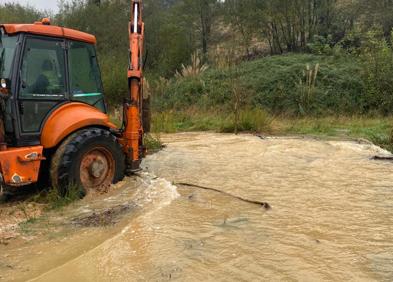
(7, 51)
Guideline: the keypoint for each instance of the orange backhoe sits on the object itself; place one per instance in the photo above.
(53, 119)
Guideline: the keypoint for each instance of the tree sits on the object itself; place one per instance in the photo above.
(199, 13)
(15, 13)
(244, 17)
(377, 13)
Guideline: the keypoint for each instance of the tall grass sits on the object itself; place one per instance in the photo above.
(250, 120)
(307, 89)
(378, 130)
(195, 68)
(55, 199)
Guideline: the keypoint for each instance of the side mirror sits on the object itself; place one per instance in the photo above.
(5, 87)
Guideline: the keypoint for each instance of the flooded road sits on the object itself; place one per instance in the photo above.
(331, 217)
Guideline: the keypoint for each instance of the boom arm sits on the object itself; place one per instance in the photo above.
(132, 138)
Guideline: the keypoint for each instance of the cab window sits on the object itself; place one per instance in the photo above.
(42, 81)
(84, 73)
(7, 53)
(42, 73)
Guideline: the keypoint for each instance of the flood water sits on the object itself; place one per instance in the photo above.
(331, 217)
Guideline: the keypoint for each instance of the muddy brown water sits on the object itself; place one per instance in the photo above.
(331, 217)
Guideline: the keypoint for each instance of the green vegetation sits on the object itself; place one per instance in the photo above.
(55, 200)
(191, 120)
(234, 31)
(378, 130)
(275, 66)
(278, 83)
(152, 143)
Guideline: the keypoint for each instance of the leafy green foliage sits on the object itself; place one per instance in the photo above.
(152, 143)
(54, 200)
(350, 41)
(377, 56)
(15, 13)
(250, 120)
(274, 84)
(321, 45)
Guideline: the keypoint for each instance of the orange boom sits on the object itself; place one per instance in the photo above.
(53, 119)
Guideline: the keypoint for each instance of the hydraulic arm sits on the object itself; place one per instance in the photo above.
(132, 137)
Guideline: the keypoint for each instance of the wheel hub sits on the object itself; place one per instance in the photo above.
(97, 169)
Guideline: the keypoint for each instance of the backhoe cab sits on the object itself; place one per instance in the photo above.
(53, 116)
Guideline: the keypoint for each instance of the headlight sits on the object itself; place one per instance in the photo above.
(3, 83)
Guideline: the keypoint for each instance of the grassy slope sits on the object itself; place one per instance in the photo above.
(204, 102)
(273, 83)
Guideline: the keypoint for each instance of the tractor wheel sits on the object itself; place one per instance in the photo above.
(90, 159)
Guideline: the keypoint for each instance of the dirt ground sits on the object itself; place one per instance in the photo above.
(12, 215)
(22, 219)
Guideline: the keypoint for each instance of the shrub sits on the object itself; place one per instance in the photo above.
(250, 120)
(152, 143)
(377, 56)
(321, 45)
(114, 78)
(273, 83)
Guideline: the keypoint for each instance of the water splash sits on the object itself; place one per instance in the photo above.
(156, 190)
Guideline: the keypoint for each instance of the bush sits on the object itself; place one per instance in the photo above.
(152, 143)
(114, 78)
(321, 45)
(250, 120)
(377, 73)
(273, 84)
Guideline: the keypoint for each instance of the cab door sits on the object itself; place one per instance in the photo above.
(84, 74)
(42, 84)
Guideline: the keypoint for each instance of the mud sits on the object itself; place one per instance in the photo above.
(331, 217)
(103, 218)
(12, 215)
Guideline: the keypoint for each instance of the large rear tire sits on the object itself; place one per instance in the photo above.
(90, 159)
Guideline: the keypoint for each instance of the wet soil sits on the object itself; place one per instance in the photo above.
(106, 217)
(12, 215)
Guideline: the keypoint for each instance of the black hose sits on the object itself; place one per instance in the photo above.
(263, 204)
(382, 158)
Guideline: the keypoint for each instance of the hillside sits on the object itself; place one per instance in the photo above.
(293, 84)
(281, 95)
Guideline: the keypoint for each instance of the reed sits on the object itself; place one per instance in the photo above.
(194, 69)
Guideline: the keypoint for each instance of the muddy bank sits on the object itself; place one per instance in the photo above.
(23, 219)
(14, 214)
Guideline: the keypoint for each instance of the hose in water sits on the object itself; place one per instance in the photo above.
(259, 203)
(382, 158)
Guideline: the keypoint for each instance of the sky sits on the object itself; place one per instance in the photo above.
(39, 4)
